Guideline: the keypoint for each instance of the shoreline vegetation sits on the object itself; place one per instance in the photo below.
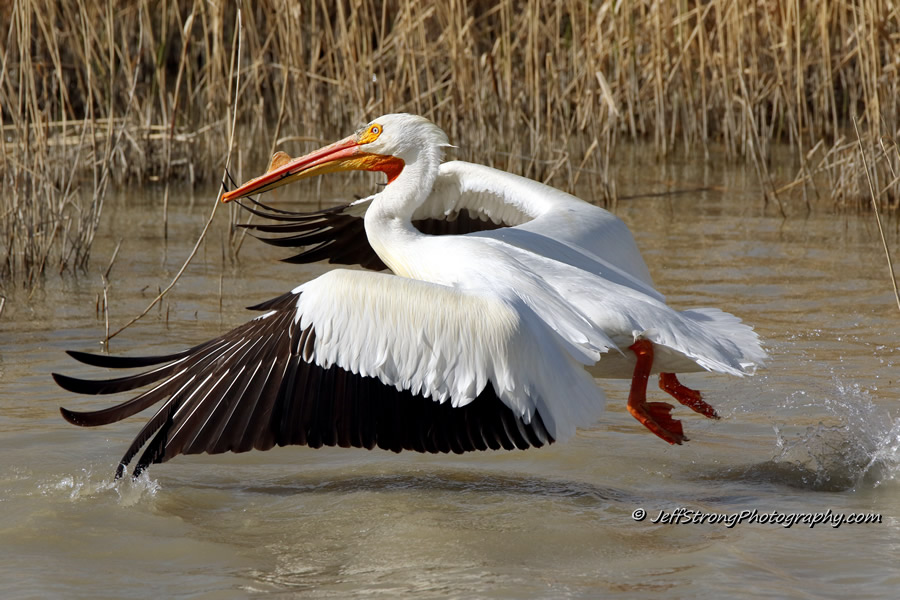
(94, 95)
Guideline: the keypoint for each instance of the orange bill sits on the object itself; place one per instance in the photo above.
(343, 155)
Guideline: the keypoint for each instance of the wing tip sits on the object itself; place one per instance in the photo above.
(82, 357)
(88, 419)
(70, 384)
(73, 417)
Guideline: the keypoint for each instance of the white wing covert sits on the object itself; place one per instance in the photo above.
(447, 344)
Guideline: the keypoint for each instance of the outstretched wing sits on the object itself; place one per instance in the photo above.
(541, 219)
(335, 363)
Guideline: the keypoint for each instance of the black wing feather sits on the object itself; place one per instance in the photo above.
(125, 362)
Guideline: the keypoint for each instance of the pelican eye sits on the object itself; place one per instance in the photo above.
(371, 133)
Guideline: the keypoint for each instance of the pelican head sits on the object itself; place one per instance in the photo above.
(386, 144)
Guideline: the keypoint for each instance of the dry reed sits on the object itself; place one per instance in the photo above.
(135, 91)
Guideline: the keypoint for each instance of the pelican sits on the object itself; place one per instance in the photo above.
(472, 340)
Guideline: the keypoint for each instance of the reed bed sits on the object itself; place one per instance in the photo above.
(134, 91)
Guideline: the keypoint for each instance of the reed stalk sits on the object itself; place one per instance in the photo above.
(94, 94)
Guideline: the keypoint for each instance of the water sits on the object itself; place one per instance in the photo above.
(815, 432)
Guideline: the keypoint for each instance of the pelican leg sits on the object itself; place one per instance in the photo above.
(655, 416)
(669, 383)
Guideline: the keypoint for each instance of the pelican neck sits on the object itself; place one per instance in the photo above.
(388, 220)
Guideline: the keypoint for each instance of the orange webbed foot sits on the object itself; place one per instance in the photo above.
(669, 383)
(655, 416)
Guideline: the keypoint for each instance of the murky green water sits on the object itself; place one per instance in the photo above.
(816, 432)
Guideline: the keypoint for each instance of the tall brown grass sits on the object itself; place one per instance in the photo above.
(135, 91)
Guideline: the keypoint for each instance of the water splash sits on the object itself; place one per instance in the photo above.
(852, 440)
(86, 486)
(861, 450)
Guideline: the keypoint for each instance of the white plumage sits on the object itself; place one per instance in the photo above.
(536, 285)
(447, 344)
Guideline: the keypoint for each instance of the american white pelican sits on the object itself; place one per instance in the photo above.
(476, 340)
